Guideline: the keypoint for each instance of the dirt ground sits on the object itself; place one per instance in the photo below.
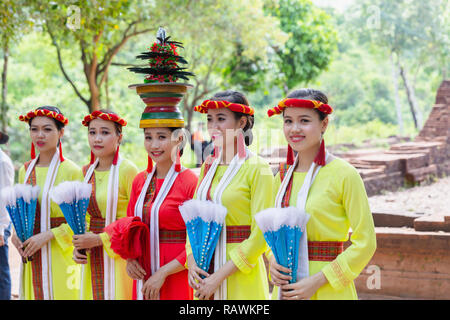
(430, 199)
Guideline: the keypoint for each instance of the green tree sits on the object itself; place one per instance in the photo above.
(409, 32)
(310, 44)
(98, 30)
(243, 72)
(211, 42)
(13, 24)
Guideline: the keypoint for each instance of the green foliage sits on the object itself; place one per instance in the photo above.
(222, 28)
(222, 39)
(81, 21)
(311, 43)
(14, 20)
(415, 30)
(372, 130)
(357, 89)
(243, 72)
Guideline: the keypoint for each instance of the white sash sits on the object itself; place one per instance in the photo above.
(46, 252)
(202, 192)
(154, 219)
(110, 217)
(303, 261)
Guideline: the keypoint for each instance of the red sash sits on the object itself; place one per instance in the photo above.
(36, 263)
(96, 225)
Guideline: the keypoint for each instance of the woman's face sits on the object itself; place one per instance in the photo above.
(44, 134)
(160, 144)
(222, 126)
(303, 128)
(103, 138)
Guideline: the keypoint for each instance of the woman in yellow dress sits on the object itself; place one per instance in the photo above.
(51, 274)
(104, 275)
(241, 182)
(334, 197)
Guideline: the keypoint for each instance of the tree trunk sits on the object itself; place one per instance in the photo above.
(411, 98)
(108, 106)
(398, 106)
(91, 77)
(94, 101)
(189, 112)
(4, 106)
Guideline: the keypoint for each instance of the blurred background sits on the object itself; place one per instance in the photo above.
(380, 62)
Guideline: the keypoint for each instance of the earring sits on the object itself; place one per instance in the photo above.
(178, 161)
(149, 164)
(61, 158)
(215, 152)
(116, 156)
(241, 145)
(92, 158)
(33, 151)
(320, 157)
(290, 156)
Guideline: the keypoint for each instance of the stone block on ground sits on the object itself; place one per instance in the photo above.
(394, 219)
(411, 264)
(434, 222)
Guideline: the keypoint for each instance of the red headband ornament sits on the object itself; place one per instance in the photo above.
(236, 107)
(105, 116)
(299, 103)
(44, 113)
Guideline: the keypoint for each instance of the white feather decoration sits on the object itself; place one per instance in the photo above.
(25, 191)
(9, 196)
(207, 210)
(70, 191)
(272, 219)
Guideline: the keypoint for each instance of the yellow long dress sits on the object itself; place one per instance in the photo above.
(123, 283)
(248, 193)
(65, 272)
(336, 202)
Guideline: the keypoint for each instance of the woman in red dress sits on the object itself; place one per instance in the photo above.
(155, 197)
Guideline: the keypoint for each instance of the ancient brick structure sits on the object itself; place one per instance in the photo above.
(409, 265)
(425, 158)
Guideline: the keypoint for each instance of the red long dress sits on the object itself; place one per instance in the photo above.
(175, 286)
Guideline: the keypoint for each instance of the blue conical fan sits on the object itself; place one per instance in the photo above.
(21, 201)
(73, 199)
(204, 221)
(282, 229)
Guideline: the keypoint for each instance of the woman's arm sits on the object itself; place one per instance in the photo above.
(194, 271)
(36, 242)
(209, 285)
(349, 264)
(153, 284)
(87, 240)
(303, 289)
